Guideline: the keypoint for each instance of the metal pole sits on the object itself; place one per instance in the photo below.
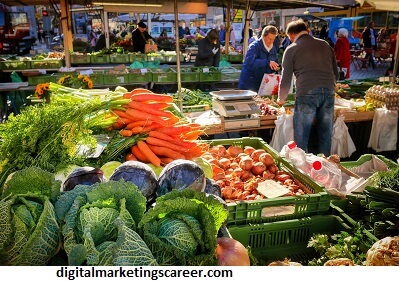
(227, 28)
(178, 56)
(246, 29)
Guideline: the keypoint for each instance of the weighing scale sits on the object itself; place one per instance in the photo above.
(237, 107)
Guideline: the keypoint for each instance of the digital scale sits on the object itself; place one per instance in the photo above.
(238, 108)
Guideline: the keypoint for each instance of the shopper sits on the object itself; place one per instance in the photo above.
(208, 50)
(342, 51)
(313, 63)
(260, 58)
(222, 35)
(140, 37)
(370, 43)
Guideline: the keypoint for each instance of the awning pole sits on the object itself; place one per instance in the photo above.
(178, 56)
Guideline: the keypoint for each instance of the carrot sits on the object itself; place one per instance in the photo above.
(159, 142)
(152, 127)
(141, 115)
(175, 130)
(183, 143)
(126, 133)
(192, 135)
(145, 97)
(194, 152)
(166, 152)
(117, 125)
(134, 92)
(139, 155)
(124, 120)
(149, 153)
(140, 123)
(158, 105)
(160, 135)
(130, 156)
(137, 130)
(146, 108)
(121, 113)
(165, 160)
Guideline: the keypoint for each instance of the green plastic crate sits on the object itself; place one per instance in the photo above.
(140, 75)
(137, 57)
(189, 74)
(99, 58)
(367, 157)
(230, 73)
(115, 79)
(47, 64)
(166, 75)
(210, 74)
(14, 65)
(35, 80)
(97, 77)
(315, 202)
(289, 239)
(80, 59)
(235, 58)
(119, 58)
(155, 57)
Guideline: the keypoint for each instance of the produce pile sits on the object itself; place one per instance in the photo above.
(50, 135)
(240, 170)
(87, 219)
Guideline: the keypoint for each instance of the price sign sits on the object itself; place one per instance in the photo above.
(143, 70)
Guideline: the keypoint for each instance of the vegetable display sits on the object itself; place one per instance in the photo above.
(384, 252)
(99, 222)
(182, 227)
(29, 232)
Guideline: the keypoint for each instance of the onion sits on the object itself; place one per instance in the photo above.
(230, 252)
(246, 163)
(234, 150)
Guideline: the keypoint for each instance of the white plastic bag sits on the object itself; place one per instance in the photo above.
(269, 84)
(283, 132)
(384, 131)
(342, 143)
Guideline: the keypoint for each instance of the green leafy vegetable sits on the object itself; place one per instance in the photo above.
(343, 245)
(181, 228)
(99, 222)
(29, 232)
(33, 180)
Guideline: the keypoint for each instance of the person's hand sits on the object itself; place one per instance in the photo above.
(215, 50)
(274, 65)
(280, 102)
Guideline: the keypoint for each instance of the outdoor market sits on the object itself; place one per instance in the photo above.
(128, 147)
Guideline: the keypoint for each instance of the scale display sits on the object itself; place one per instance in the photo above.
(235, 108)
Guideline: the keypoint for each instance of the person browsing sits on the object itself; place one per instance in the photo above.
(140, 37)
(208, 50)
(313, 63)
(342, 51)
(260, 58)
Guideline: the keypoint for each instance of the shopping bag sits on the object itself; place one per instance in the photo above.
(384, 136)
(269, 84)
(283, 132)
(150, 48)
(342, 143)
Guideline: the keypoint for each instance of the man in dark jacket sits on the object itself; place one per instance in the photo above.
(370, 42)
(140, 37)
(313, 63)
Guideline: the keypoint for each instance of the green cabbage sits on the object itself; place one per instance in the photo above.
(182, 227)
(29, 232)
(99, 223)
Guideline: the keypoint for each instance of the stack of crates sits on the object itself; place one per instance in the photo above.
(279, 228)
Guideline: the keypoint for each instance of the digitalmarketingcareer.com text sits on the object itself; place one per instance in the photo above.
(140, 272)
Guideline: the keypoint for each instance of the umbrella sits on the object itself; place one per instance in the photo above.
(387, 5)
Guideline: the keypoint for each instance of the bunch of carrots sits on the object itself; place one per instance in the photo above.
(164, 137)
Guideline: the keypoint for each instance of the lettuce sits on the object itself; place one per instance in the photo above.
(182, 227)
(29, 232)
(99, 222)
